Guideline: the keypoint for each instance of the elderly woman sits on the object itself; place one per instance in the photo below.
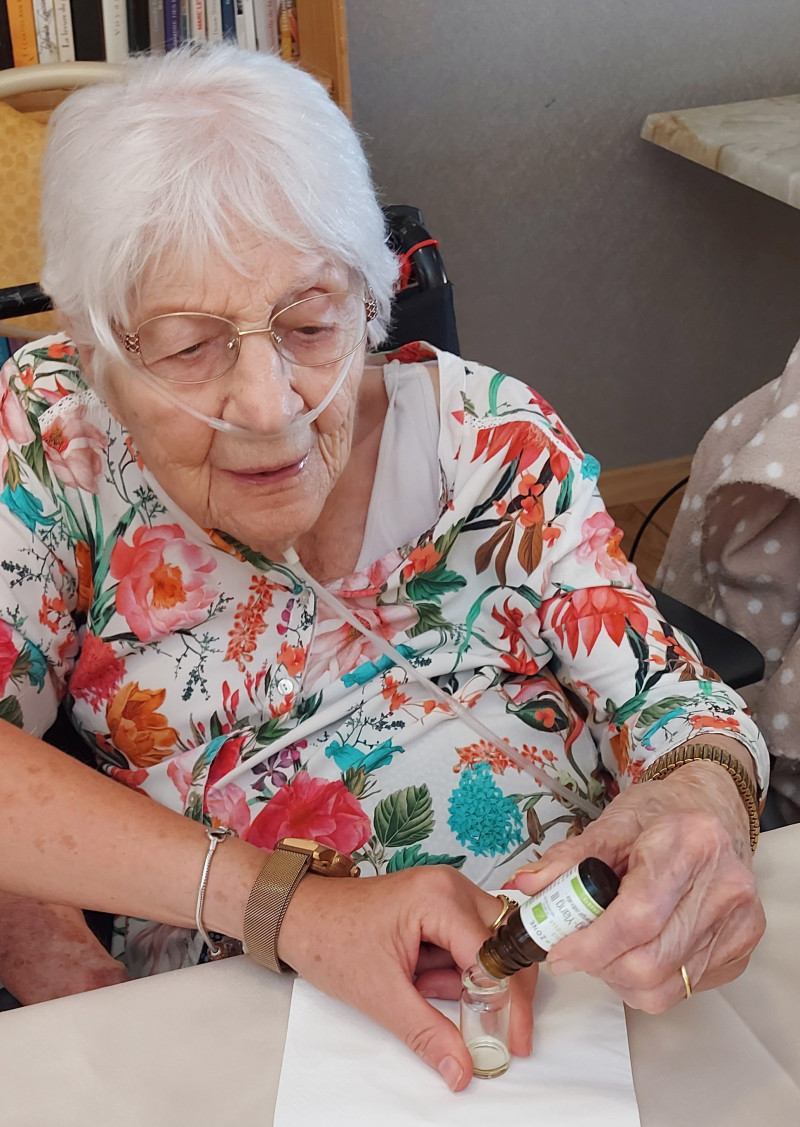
(298, 591)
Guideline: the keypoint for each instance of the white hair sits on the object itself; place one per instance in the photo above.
(167, 162)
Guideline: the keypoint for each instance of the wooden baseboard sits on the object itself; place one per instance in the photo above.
(646, 482)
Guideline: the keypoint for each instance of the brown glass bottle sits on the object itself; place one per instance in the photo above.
(571, 902)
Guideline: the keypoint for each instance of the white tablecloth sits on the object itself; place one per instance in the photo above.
(204, 1046)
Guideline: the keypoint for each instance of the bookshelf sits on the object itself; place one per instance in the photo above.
(35, 91)
(322, 34)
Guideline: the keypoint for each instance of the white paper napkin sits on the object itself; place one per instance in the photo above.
(339, 1068)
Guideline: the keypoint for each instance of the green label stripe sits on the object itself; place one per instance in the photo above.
(589, 904)
(539, 913)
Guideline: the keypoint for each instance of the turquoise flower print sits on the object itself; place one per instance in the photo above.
(346, 756)
(36, 664)
(25, 506)
(483, 818)
(590, 468)
(365, 672)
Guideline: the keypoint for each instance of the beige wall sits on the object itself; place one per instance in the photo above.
(640, 293)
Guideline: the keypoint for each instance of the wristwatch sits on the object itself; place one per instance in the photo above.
(275, 885)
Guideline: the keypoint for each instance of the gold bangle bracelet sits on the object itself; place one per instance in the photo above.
(662, 767)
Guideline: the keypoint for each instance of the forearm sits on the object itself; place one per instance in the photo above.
(74, 837)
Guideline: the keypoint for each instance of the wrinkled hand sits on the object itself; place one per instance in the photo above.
(688, 895)
(48, 951)
(383, 944)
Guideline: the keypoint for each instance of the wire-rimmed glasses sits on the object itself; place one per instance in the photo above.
(194, 348)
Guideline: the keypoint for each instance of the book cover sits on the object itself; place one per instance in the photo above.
(23, 33)
(66, 42)
(214, 20)
(172, 24)
(115, 28)
(229, 20)
(245, 24)
(197, 20)
(6, 50)
(87, 30)
(138, 16)
(44, 19)
(267, 32)
(156, 22)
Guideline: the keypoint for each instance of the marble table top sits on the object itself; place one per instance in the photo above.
(756, 143)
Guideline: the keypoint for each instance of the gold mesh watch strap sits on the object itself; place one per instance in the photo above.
(267, 904)
(665, 764)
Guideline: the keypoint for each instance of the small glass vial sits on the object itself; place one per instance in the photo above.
(572, 901)
(485, 1009)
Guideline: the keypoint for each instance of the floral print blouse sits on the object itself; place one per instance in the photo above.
(205, 675)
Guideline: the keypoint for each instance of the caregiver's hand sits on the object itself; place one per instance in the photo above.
(381, 943)
(687, 897)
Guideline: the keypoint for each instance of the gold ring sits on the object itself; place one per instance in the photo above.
(508, 906)
(686, 983)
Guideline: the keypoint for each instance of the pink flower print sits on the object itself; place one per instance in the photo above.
(338, 648)
(163, 584)
(14, 425)
(371, 580)
(312, 808)
(73, 450)
(600, 546)
(8, 655)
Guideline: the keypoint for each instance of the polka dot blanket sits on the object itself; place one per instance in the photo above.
(734, 552)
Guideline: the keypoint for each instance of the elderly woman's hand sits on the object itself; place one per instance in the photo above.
(47, 951)
(383, 944)
(688, 897)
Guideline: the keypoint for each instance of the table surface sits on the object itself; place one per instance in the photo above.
(756, 143)
(204, 1045)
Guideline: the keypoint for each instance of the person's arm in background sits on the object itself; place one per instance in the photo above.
(71, 836)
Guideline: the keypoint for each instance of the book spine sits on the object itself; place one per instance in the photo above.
(66, 42)
(138, 16)
(287, 31)
(156, 17)
(266, 17)
(229, 20)
(172, 24)
(23, 33)
(6, 50)
(115, 26)
(197, 20)
(214, 21)
(245, 25)
(44, 19)
(87, 30)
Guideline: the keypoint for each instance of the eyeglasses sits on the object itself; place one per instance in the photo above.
(193, 348)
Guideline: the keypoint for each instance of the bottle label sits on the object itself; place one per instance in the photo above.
(561, 908)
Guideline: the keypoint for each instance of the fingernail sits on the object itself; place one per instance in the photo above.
(534, 867)
(451, 1072)
(561, 966)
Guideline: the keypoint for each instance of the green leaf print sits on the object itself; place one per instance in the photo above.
(404, 818)
(11, 710)
(12, 478)
(429, 618)
(430, 586)
(655, 712)
(411, 858)
(33, 454)
(640, 652)
(565, 496)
